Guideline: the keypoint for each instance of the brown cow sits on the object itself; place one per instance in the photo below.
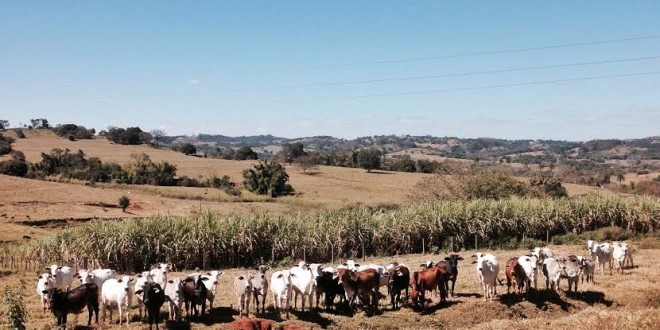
(427, 280)
(360, 283)
(515, 275)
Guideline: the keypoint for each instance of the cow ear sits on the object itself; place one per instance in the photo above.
(345, 264)
(59, 268)
(138, 291)
(474, 261)
(474, 256)
(357, 265)
(119, 280)
(156, 290)
(208, 273)
(221, 273)
(447, 258)
(205, 278)
(44, 291)
(170, 281)
(241, 278)
(280, 275)
(460, 258)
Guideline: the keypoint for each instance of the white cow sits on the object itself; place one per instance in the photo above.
(427, 264)
(629, 258)
(572, 269)
(96, 276)
(316, 272)
(487, 270)
(45, 282)
(259, 287)
(619, 255)
(603, 253)
(174, 297)
(243, 292)
(117, 292)
(382, 272)
(280, 287)
(552, 273)
(63, 276)
(528, 264)
(140, 282)
(211, 285)
(160, 274)
(350, 265)
(301, 279)
(588, 268)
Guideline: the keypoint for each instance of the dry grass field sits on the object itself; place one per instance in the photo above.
(34, 208)
(628, 301)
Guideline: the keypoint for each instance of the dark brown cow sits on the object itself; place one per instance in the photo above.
(194, 293)
(451, 265)
(73, 301)
(360, 283)
(330, 288)
(427, 280)
(399, 280)
(515, 275)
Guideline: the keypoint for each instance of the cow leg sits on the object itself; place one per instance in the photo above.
(302, 296)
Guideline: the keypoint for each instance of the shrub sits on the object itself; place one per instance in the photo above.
(19, 133)
(369, 159)
(124, 202)
(74, 132)
(5, 144)
(15, 312)
(267, 178)
(245, 153)
(14, 167)
(188, 149)
(216, 182)
(186, 181)
(130, 135)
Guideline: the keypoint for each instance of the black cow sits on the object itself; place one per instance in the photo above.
(153, 298)
(194, 293)
(330, 288)
(399, 280)
(73, 301)
(451, 266)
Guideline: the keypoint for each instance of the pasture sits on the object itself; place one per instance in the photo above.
(41, 208)
(628, 301)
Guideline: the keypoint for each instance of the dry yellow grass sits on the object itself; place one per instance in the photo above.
(628, 301)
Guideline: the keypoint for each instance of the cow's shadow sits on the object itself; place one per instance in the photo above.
(590, 297)
(218, 315)
(313, 316)
(430, 307)
(540, 298)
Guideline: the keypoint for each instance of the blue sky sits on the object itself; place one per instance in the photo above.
(211, 67)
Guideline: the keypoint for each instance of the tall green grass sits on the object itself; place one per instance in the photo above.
(212, 240)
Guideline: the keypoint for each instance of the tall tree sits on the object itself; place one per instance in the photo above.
(369, 159)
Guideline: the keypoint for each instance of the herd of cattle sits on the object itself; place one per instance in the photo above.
(350, 282)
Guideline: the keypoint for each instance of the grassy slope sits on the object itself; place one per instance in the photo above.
(628, 301)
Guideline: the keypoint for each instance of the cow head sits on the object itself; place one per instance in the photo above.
(262, 269)
(453, 260)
